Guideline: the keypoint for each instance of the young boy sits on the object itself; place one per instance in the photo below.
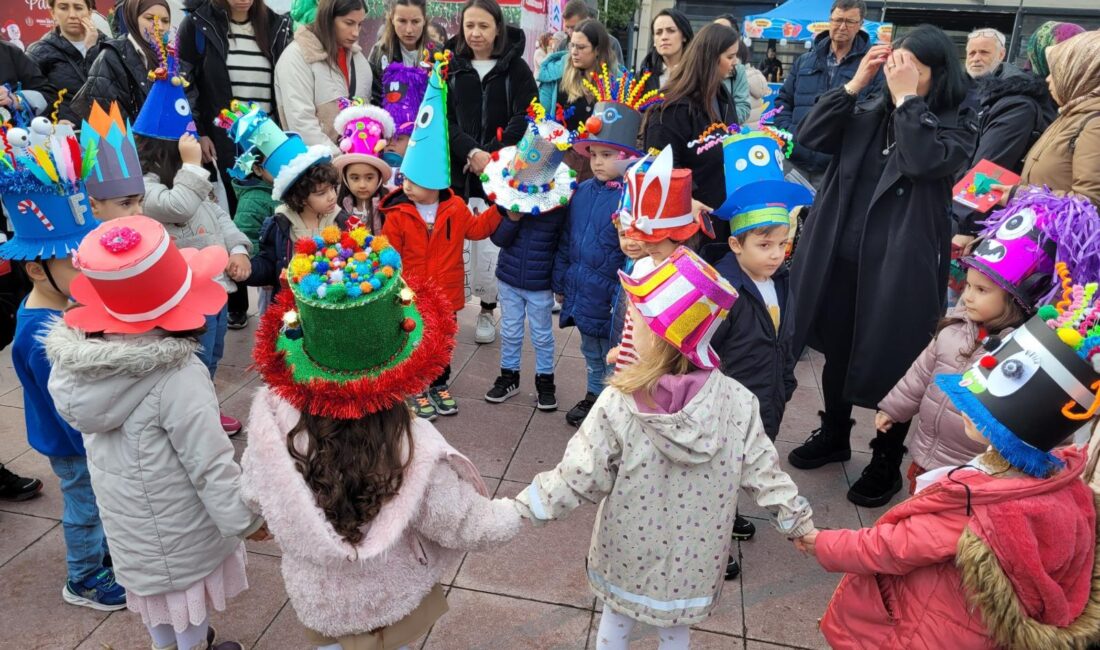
(115, 186)
(49, 222)
(427, 223)
(528, 241)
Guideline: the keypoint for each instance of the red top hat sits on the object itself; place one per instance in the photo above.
(656, 204)
(134, 279)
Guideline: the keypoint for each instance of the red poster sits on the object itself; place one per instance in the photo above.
(26, 21)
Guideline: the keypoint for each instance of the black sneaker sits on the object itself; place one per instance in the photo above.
(544, 385)
(733, 568)
(506, 385)
(238, 320)
(743, 529)
(826, 444)
(580, 410)
(881, 479)
(17, 488)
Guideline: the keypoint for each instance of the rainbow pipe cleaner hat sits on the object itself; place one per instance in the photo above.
(683, 301)
(285, 155)
(351, 336)
(532, 176)
(42, 188)
(364, 131)
(1020, 245)
(166, 113)
(117, 170)
(1039, 384)
(617, 116)
(428, 159)
(757, 193)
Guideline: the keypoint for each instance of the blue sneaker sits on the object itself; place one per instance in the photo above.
(98, 591)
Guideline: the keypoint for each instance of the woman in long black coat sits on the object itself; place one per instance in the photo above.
(871, 267)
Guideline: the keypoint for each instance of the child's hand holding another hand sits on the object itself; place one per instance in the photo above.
(239, 267)
(883, 422)
(613, 355)
(190, 150)
(261, 535)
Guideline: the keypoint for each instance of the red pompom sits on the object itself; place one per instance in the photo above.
(347, 242)
(492, 197)
(306, 245)
(408, 324)
(989, 362)
(495, 156)
(593, 125)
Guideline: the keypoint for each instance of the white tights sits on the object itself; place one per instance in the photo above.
(614, 633)
(192, 636)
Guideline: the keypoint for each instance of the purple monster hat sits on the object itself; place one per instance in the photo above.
(403, 89)
(1020, 244)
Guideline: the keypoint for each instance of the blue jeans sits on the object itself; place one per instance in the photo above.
(85, 544)
(517, 305)
(595, 352)
(213, 342)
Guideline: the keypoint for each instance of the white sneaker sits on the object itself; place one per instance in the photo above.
(557, 306)
(486, 331)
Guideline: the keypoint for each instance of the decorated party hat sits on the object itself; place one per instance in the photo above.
(1039, 384)
(166, 113)
(117, 170)
(352, 336)
(1019, 245)
(284, 155)
(656, 204)
(617, 116)
(42, 188)
(683, 301)
(428, 159)
(403, 88)
(532, 176)
(757, 193)
(364, 131)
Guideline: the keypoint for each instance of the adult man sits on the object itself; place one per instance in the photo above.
(1014, 108)
(574, 12)
(831, 63)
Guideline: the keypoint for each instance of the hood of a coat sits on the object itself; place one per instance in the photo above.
(312, 50)
(1010, 81)
(683, 434)
(98, 382)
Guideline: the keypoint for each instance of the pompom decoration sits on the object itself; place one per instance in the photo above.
(120, 240)
(333, 274)
(1076, 318)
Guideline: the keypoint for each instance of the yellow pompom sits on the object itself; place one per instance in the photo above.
(379, 243)
(331, 234)
(359, 235)
(301, 265)
(1070, 336)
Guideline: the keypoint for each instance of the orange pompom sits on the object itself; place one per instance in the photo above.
(379, 243)
(330, 253)
(365, 287)
(387, 271)
(360, 256)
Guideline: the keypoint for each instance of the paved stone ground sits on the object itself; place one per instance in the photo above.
(531, 593)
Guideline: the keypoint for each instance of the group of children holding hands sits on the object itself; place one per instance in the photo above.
(689, 367)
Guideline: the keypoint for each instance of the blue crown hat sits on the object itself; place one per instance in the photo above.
(284, 155)
(42, 188)
(117, 170)
(427, 160)
(166, 113)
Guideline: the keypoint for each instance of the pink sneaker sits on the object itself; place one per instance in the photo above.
(231, 425)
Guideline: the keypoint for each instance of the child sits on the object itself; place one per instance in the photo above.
(590, 255)
(126, 372)
(365, 130)
(115, 186)
(178, 194)
(369, 504)
(403, 88)
(998, 295)
(44, 236)
(632, 251)
(672, 429)
(427, 223)
(254, 206)
(528, 245)
(999, 552)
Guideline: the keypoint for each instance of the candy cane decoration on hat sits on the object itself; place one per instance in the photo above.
(27, 205)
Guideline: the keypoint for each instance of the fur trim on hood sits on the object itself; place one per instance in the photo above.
(1012, 82)
(98, 358)
(312, 50)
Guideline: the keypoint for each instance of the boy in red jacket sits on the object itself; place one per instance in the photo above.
(998, 552)
(427, 223)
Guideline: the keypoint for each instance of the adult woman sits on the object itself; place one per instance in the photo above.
(403, 37)
(120, 72)
(871, 267)
(670, 32)
(66, 51)
(1049, 33)
(323, 64)
(542, 50)
(772, 66)
(695, 99)
(561, 77)
(737, 84)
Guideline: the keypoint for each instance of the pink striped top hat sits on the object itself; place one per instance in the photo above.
(134, 279)
(683, 301)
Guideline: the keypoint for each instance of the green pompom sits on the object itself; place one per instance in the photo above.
(484, 178)
(336, 292)
(563, 200)
(1048, 312)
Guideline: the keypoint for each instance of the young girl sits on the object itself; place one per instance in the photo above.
(1000, 552)
(1005, 276)
(666, 449)
(364, 133)
(126, 373)
(369, 504)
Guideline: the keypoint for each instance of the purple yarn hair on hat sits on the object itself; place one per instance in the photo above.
(403, 89)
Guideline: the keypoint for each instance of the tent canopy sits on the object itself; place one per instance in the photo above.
(802, 20)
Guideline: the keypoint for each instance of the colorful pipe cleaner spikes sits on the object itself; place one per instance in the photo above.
(237, 109)
(717, 132)
(624, 89)
(167, 63)
(338, 267)
(50, 163)
(1075, 318)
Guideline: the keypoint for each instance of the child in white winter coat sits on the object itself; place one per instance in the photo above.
(665, 451)
(125, 373)
(369, 503)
